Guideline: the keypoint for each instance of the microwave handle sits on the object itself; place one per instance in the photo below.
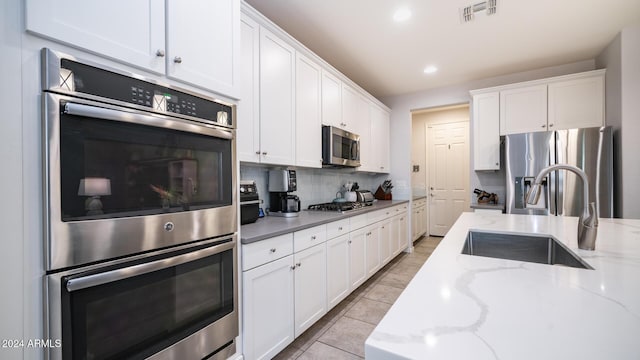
(355, 149)
(88, 281)
(125, 115)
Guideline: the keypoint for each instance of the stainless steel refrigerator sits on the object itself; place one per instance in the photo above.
(590, 149)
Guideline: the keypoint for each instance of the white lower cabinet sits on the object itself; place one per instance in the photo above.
(357, 258)
(290, 281)
(398, 233)
(268, 308)
(385, 239)
(310, 286)
(372, 248)
(338, 279)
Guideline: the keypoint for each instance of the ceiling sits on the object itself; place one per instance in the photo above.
(386, 58)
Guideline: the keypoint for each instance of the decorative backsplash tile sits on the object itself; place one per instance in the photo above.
(314, 185)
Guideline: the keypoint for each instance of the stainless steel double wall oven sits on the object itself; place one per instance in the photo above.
(140, 216)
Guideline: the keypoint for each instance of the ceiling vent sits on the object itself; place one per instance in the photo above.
(468, 13)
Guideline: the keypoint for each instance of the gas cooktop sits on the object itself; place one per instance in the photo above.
(339, 206)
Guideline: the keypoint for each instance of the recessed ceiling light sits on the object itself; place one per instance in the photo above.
(402, 14)
(430, 69)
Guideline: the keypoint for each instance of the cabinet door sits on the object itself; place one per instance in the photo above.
(277, 81)
(248, 112)
(385, 239)
(203, 44)
(414, 224)
(338, 279)
(354, 110)
(380, 139)
(486, 131)
(134, 38)
(357, 258)
(310, 287)
(308, 122)
(576, 103)
(523, 110)
(331, 100)
(372, 248)
(401, 233)
(268, 308)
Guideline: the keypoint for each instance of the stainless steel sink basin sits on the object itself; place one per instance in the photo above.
(521, 247)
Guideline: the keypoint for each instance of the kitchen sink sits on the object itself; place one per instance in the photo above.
(540, 249)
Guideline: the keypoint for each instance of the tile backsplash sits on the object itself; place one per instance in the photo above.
(314, 185)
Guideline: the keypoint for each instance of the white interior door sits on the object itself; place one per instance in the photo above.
(448, 174)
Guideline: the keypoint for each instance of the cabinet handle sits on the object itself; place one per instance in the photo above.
(544, 126)
(401, 218)
(340, 228)
(257, 152)
(381, 167)
(349, 241)
(550, 125)
(497, 164)
(298, 264)
(292, 267)
(313, 237)
(160, 53)
(272, 250)
(264, 153)
(177, 60)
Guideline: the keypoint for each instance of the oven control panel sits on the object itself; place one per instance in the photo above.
(91, 80)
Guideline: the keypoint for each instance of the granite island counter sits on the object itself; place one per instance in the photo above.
(470, 307)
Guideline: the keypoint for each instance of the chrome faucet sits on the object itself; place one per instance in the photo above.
(588, 221)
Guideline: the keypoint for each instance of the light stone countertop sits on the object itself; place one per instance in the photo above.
(270, 226)
(470, 307)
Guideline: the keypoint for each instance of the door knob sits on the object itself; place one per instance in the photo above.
(177, 60)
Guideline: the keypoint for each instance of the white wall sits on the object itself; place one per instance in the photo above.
(402, 106)
(622, 60)
(11, 179)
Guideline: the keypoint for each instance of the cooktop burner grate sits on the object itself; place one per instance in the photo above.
(335, 206)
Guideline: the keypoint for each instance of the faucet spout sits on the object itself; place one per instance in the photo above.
(588, 221)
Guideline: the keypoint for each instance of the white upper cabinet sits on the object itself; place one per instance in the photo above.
(248, 112)
(331, 100)
(277, 97)
(577, 103)
(132, 32)
(523, 110)
(201, 46)
(308, 112)
(355, 111)
(486, 131)
(380, 145)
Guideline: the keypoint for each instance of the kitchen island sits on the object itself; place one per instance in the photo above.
(470, 307)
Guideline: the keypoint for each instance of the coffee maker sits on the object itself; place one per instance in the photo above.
(281, 183)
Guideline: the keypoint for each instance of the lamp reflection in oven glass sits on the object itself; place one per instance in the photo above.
(93, 188)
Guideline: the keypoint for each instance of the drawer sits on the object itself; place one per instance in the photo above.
(357, 222)
(399, 209)
(307, 238)
(379, 215)
(338, 228)
(264, 251)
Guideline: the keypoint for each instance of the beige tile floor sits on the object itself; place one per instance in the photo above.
(341, 333)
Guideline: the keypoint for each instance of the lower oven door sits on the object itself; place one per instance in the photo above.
(179, 305)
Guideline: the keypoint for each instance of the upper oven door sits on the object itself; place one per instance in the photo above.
(122, 181)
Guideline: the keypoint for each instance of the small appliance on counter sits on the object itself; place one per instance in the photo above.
(249, 202)
(364, 196)
(281, 183)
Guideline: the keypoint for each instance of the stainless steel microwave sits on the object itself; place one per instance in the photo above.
(340, 147)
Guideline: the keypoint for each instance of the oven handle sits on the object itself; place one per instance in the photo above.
(140, 269)
(136, 118)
